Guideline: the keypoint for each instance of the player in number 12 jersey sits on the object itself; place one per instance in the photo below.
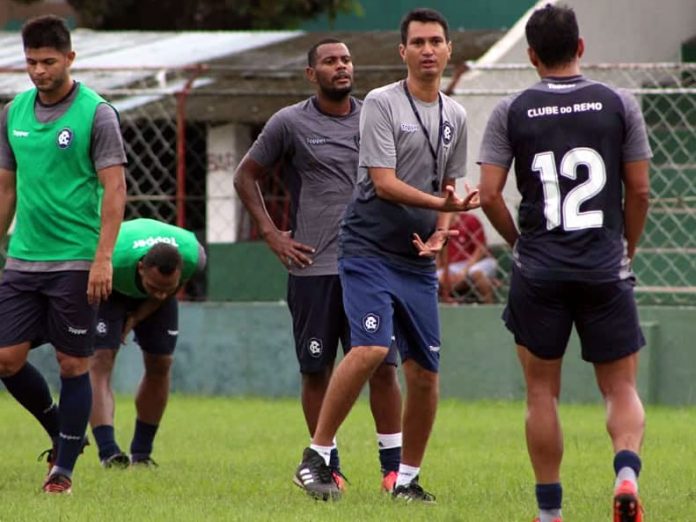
(581, 156)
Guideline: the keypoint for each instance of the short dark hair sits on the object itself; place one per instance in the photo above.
(552, 31)
(312, 53)
(165, 257)
(47, 31)
(424, 15)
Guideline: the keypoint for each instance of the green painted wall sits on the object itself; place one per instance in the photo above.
(385, 15)
(247, 349)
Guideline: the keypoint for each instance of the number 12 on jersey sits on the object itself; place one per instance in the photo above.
(566, 212)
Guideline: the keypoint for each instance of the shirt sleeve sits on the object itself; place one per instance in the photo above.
(496, 148)
(456, 164)
(273, 142)
(7, 158)
(636, 146)
(107, 147)
(377, 141)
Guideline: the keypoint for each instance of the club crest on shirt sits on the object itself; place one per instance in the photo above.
(314, 347)
(64, 138)
(371, 323)
(447, 133)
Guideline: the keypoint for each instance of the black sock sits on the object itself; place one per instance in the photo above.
(106, 441)
(144, 435)
(334, 460)
(389, 459)
(75, 406)
(549, 496)
(30, 389)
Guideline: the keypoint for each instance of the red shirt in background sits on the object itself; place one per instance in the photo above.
(471, 235)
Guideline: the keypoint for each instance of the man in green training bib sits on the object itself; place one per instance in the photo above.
(62, 179)
(151, 262)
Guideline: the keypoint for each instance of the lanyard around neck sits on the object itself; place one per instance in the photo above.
(434, 151)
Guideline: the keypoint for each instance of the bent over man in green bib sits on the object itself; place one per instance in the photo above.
(152, 260)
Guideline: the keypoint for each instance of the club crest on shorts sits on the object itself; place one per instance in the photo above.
(64, 138)
(102, 329)
(314, 347)
(447, 133)
(371, 323)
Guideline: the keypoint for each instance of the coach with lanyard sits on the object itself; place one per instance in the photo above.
(412, 147)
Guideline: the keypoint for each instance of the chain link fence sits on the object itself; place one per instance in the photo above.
(665, 263)
(185, 131)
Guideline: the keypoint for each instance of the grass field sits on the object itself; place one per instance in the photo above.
(233, 459)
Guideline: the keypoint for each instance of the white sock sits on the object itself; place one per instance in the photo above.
(549, 515)
(389, 440)
(406, 475)
(626, 473)
(324, 451)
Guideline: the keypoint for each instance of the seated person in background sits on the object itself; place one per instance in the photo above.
(467, 262)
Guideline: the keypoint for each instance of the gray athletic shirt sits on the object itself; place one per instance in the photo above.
(318, 155)
(106, 150)
(391, 137)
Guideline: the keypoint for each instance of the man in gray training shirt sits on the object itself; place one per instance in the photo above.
(413, 146)
(316, 144)
(579, 148)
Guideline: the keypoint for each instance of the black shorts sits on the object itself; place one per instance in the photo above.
(319, 321)
(541, 315)
(156, 334)
(49, 307)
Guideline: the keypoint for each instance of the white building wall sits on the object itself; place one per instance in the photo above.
(227, 145)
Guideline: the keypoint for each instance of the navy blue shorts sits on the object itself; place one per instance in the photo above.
(541, 315)
(156, 334)
(49, 307)
(319, 321)
(384, 300)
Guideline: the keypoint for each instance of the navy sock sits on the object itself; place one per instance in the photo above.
(106, 441)
(549, 496)
(627, 459)
(30, 389)
(141, 446)
(390, 459)
(75, 407)
(334, 460)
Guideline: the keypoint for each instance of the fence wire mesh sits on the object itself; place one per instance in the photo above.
(185, 131)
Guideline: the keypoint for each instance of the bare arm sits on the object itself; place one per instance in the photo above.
(113, 205)
(389, 187)
(636, 201)
(493, 179)
(287, 249)
(148, 307)
(8, 199)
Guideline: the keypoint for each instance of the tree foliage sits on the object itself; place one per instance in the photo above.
(204, 14)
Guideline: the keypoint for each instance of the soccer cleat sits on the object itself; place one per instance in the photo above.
(315, 477)
(388, 481)
(58, 484)
(51, 453)
(413, 492)
(339, 478)
(143, 462)
(116, 461)
(537, 519)
(627, 506)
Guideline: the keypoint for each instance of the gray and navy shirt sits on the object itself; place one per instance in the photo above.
(318, 155)
(391, 137)
(569, 138)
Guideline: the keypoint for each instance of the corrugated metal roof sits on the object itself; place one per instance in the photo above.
(133, 49)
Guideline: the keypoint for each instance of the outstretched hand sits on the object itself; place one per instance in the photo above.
(453, 203)
(435, 242)
(289, 251)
